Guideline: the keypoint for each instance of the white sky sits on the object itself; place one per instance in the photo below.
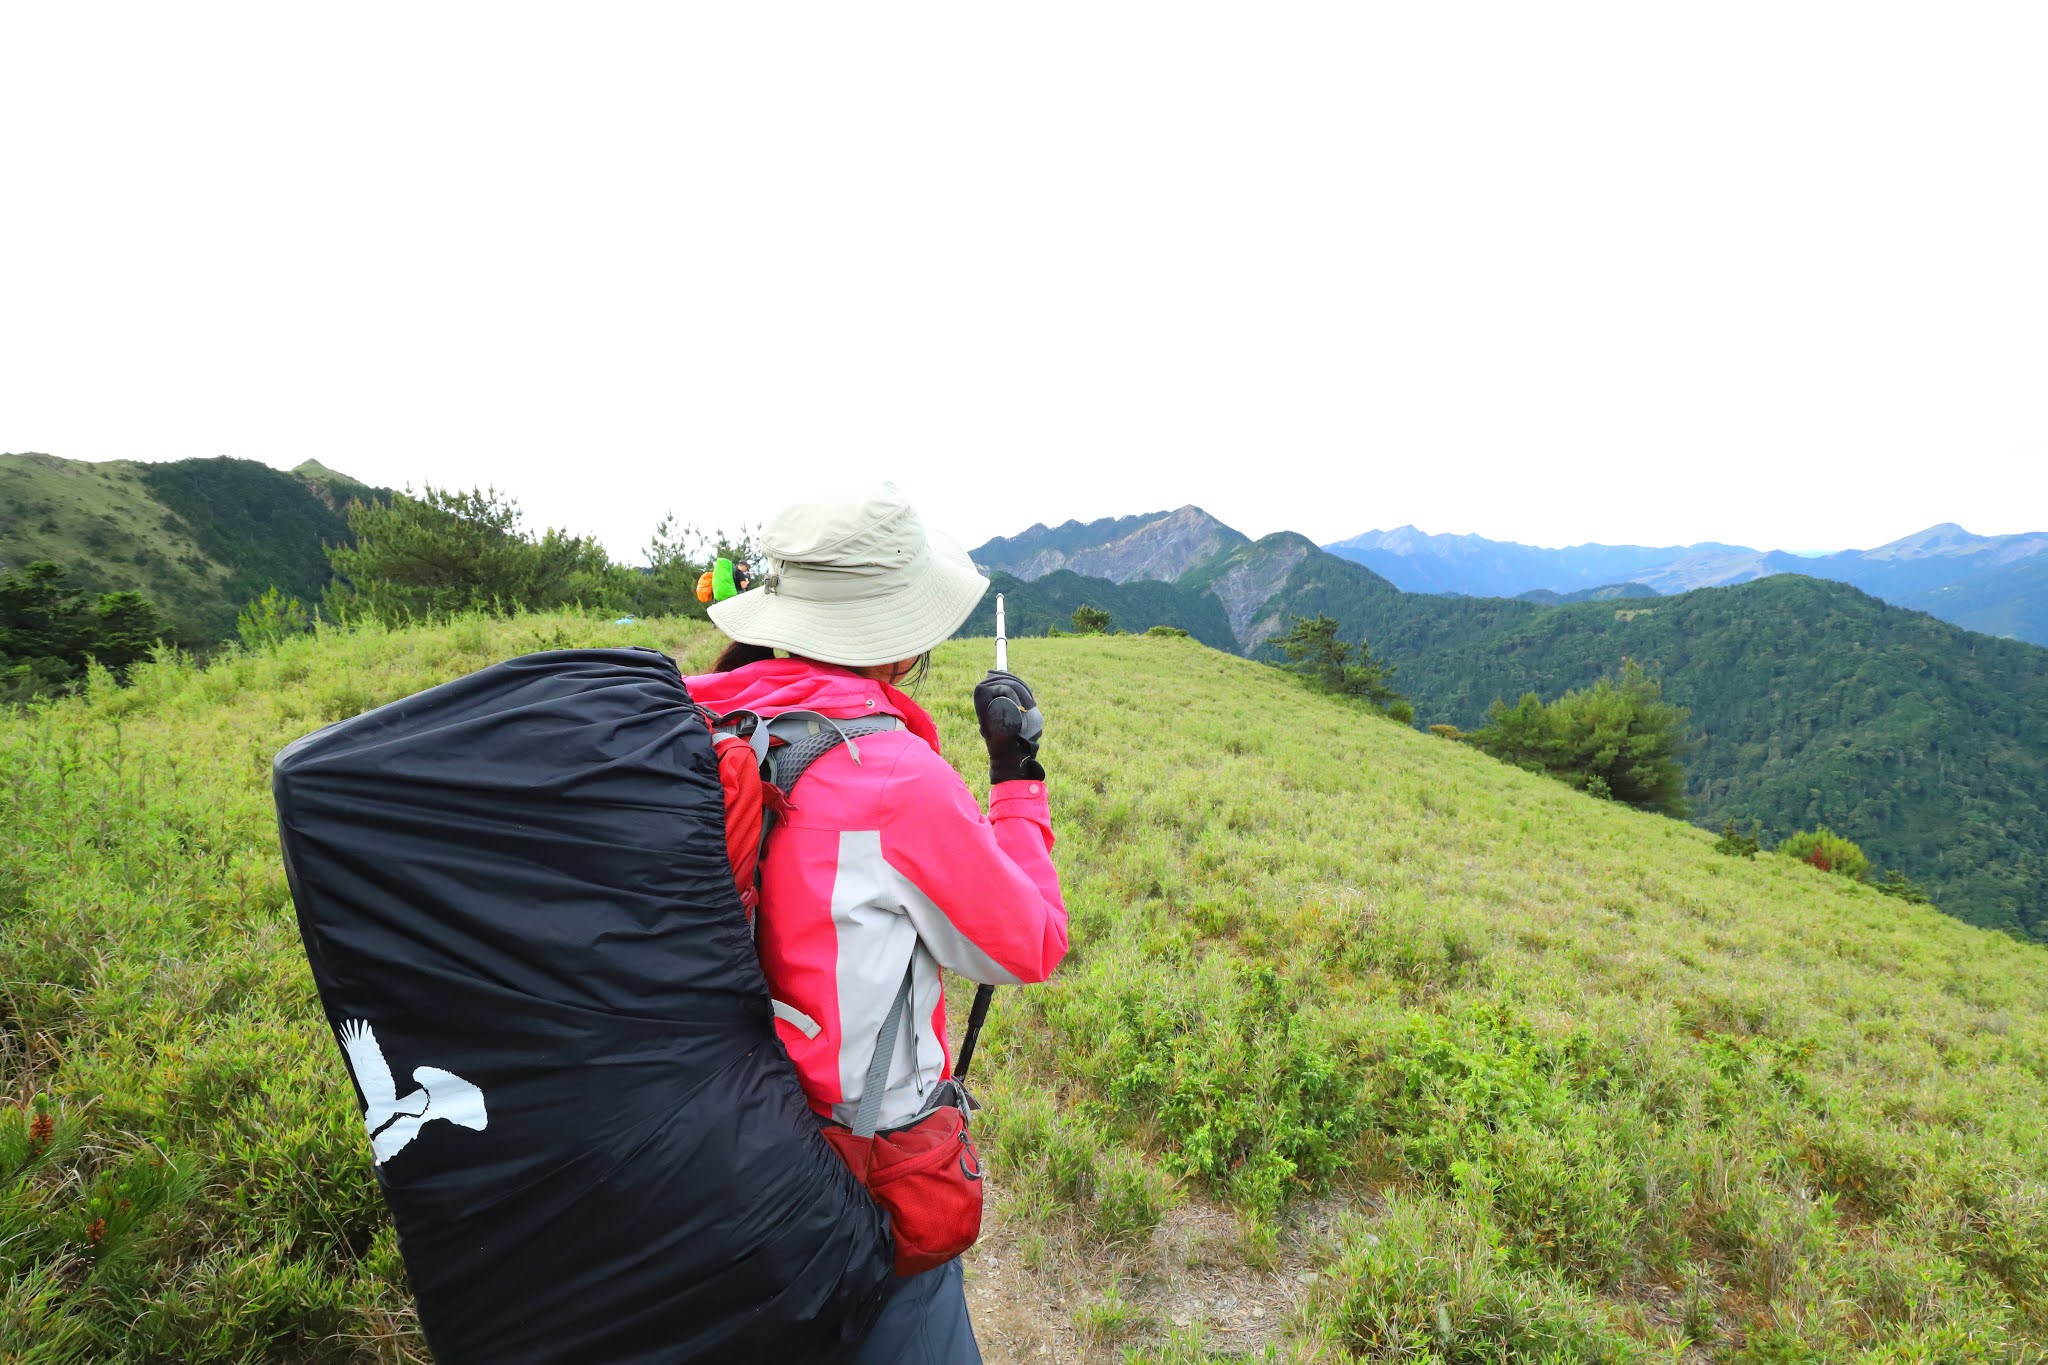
(1766, 273)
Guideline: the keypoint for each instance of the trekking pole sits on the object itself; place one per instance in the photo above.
(983, 994)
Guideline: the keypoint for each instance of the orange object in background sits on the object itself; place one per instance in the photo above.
(704, 583)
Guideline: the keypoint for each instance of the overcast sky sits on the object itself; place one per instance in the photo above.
(1774, 273)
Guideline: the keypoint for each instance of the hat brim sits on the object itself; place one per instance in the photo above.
(882, 629)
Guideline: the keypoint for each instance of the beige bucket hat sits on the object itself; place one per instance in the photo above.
(854, 578)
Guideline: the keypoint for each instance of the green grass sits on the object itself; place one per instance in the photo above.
(102, 522)
(197, 537)
(1577, 1087)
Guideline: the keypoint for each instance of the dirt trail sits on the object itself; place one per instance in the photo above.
(1040, 1297)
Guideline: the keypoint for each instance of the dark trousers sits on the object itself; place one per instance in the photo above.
(924, 1323)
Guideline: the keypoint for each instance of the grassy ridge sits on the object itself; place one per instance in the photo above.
(1578, 1087)
(105, 525)
(197, 537)
(1582, 1053)
(1815, 704)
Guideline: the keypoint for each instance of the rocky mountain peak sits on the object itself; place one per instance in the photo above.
(1161, 546)
(1161, 550)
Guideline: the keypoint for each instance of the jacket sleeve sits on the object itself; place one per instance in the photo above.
(982, 893)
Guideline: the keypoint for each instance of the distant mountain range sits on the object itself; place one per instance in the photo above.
(1814, 701)
(198, 537)
(1994, 584)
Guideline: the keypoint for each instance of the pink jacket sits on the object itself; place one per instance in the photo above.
(881, 863)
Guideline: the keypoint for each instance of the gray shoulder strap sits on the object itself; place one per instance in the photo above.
(869, 1114)
(808, 737)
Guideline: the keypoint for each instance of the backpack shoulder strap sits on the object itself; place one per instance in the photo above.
(758, 774)
(807, 737)
(869, 1115)
(739, 779)
(756, 796)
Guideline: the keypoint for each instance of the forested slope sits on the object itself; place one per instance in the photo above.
(2010, 600)
(1814, 702)
(1046, 604)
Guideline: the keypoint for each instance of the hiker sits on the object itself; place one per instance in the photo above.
(885, 866)
(725, 578)
(722, 580)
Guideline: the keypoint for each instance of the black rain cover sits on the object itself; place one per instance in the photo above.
(515, 895)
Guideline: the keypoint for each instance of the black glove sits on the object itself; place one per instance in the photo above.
(1010, 726)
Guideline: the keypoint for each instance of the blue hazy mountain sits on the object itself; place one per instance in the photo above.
(2011, 599)
(1995, 584)
(1416, 561)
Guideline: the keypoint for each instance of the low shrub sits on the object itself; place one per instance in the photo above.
(1428, 1281)
(1132, 1195)
(268, 621)
(1897, 883)
(1828, 851)
(1736, 844)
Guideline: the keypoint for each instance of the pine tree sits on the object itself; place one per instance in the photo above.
(1090, 620)
(1736, 844)
(1315, 652)
(446, 551)
(1618, 739)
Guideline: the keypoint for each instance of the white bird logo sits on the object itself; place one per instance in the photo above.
(394, 1122)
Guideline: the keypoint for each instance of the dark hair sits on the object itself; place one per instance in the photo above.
(739, 654)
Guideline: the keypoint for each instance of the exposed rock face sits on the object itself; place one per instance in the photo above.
(1248, 585)
(1016, 554)
(1039, 565)
(1161, 551)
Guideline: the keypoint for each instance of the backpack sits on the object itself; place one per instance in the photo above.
(718, 582)
(517, 899)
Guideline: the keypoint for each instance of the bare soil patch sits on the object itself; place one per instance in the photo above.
(1051, 1295)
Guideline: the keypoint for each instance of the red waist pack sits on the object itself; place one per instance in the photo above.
(925, 1173)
